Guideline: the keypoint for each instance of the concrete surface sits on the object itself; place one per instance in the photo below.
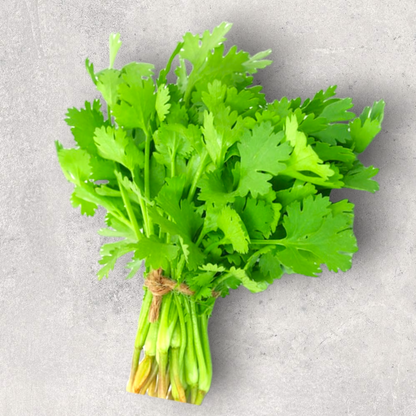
(336, 345)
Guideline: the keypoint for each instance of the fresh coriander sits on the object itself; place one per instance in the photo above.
(213, 188)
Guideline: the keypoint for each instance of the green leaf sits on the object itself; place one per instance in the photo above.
(270, 267)
(75, 164)
(182, 212)
(111, 253)
(214, 97)
(225, 68)
(90, 69)
(262, 154)
(311, 125)
(114, 144)
(115, 44)
(251, 285)
(257, 62)
(172, 141)
(333, 134)
(213, 189)
(137, 98)
(87, 208)
(337, 111)
(164, 72)
(235, 233)
(260, 217)
(304, 163)
(334, 153)
(88, 193)
(320, 101)
(209, 267)
(134, 266)
(84, 122)
(195, 48)
(184, 221)
(156, 252)
(367, 126)
(221, 130)
(325, 235)
(107, 84)
(246, 101)
(297, 192)
(360, 177)
(162, 102)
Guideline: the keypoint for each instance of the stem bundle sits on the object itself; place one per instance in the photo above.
(176, 362)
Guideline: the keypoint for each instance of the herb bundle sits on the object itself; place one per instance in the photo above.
(213, 188)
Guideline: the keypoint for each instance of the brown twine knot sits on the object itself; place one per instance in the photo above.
(159, 286)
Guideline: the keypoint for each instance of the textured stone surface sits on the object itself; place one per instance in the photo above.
(336, 345)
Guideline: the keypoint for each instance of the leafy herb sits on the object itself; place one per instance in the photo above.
(213, 188)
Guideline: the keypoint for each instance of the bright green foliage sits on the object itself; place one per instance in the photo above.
(367, 126)
(114, 144)
(262, 155)
(311, 226)
(206, 180)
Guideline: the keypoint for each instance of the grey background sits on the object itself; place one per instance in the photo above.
(336, 345)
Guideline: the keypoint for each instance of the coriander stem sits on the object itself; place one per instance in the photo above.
(191, 365)
(129, 210)
(147, 177)
(271, 242)
(198, 174)
(173, 165)
(179, 268)
(145, 216)
(144, 324)
(255, 256)
(205, 344)
(213, 245)
(201, 236)
(122, 218)
(203, 379)
(142, 331)
(109, 114)
(182, 327)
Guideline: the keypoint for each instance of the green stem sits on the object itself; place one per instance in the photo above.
(201, 236)
(151, 340)
(117, 214)
(205, 345)
(147, 176)
(144, 324)
(182, 327)
(198, 174)
(173, 165)
(129, 209)
(213, 245)
(200, 397)
(194, 394)
(163, 342)
(142, 330)
(179, 268)
(178, 391)
(251, 260)
(191, 366)
(143, 207)
(275, 242)
(109, 114)
(187, 95)
(203, 379)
